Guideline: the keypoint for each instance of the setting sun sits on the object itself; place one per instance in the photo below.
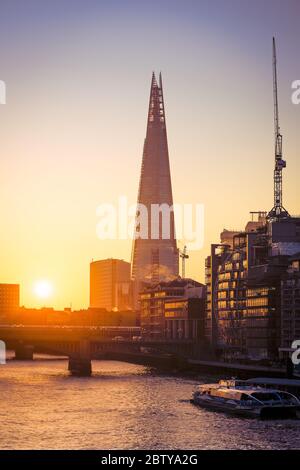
(43, 289)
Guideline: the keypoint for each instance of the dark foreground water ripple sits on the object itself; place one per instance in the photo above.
(122, 406)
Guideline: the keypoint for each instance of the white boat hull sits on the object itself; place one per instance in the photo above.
(263, 412)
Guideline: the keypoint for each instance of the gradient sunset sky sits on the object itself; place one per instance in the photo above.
(71, 134)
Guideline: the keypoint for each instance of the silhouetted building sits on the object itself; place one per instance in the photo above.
(84, 317)
(101, 317)
(173, 310)
(110, 284)
(9, 301)
(290, 306)
(155, 258)
(42, 316)
(244, 292)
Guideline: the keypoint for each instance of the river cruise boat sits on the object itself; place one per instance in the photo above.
(238, 397)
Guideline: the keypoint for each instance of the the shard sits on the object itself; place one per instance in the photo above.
(155, 253)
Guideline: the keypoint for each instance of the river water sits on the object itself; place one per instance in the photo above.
(122, 406)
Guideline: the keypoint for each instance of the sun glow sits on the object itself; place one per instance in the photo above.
(43, 289)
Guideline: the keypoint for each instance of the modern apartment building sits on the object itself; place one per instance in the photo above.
(244, 289)
(173, 310)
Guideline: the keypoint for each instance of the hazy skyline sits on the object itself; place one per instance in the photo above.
(71, 134)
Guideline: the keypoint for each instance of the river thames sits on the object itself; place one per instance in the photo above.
(122, 406)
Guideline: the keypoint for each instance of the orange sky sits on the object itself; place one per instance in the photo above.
(72, 131)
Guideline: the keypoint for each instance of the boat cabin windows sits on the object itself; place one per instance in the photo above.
(245, 397)
(289, 397)
(265, 396)
(204, 392)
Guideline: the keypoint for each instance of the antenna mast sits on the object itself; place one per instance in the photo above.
(278, 211)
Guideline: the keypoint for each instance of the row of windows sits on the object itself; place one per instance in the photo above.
(223, 285)
(231, 275)
(260, 291)
(179, 304)
(175, 314)
(259, 312)
(289, 303)
(232, 304)
(291, 283)
(295, 313)
(231, 294)
(290, 323)
(257, 302)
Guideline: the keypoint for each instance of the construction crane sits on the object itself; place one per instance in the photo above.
(184, 256)
(278, 212)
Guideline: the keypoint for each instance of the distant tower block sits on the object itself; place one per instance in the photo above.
(110, 284)
(154, 260)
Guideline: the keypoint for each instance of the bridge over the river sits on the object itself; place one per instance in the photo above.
(81, 344)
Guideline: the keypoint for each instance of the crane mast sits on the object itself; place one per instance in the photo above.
(278, 211)
(184, 256)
